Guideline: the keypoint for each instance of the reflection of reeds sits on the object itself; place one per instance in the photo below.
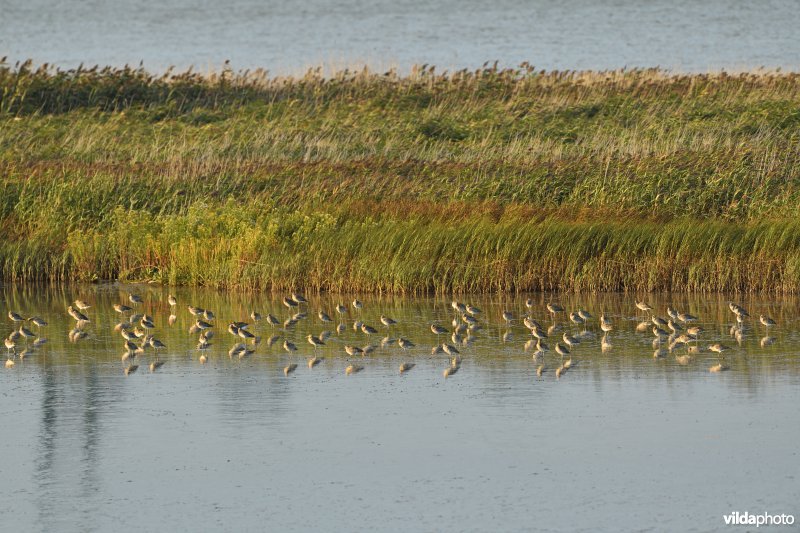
(471, 181)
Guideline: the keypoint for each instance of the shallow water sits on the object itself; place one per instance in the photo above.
(623, 441)
(290, 36)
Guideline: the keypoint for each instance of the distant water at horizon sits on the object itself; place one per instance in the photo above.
(285, 37)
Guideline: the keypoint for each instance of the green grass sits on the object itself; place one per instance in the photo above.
(488, 180)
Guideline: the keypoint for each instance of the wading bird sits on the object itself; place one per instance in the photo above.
(122, 308)
(314, 341)
(554, 308)
(438, 330)
(767, 321)
(299, 298)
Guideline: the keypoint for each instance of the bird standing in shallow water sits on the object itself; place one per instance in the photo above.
(553, 308)
(404, 343)
(569, 340)
(541, 346)
(246, 335)
(288, 302)
(538, 332)
(469, 319)
(531, 323)
(157, 344)
(717, 348)
(353, 351)
(658, 321)
(605, 324)
(529, 304)
(77, 315)
(450, 350)
(314, 341)
(643, 306)
(458, 307)
(438, 330)
(694, 332)
(767, 321)
(37, 321)
(368, 349)
(738, 310)
(289, 346)
(660, 333)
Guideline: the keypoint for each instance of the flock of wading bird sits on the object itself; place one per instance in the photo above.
(673, 333)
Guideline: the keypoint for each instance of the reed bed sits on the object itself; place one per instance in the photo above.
(485, 180)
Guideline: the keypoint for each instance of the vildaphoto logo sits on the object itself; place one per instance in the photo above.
(764, 519)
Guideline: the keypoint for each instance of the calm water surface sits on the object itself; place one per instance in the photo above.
(290, 36)
(623, 441)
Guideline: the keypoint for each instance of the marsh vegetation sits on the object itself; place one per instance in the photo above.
(485, 180)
